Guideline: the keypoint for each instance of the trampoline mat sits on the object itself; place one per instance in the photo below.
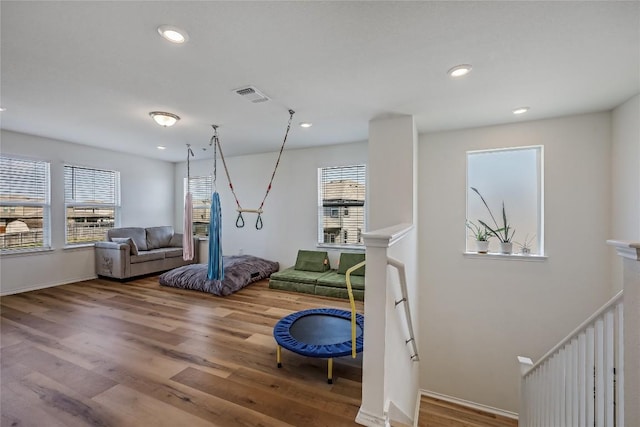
(322, 329)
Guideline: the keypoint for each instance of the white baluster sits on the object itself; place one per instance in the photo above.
(620, 369)
(590, 373)
(572, 404)
(600, 373)
(582, 379)
(608, 368)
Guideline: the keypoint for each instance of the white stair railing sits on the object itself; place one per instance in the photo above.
(405, 303)
(580, 381)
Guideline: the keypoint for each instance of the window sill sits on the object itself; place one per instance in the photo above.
(337, 246)
(506, 257)
(79, 246)
(20, 252)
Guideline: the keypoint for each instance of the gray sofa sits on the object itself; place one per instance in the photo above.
(134, 251)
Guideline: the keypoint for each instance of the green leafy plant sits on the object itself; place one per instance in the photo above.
(504, 233)
(525, 246)
(480, 232)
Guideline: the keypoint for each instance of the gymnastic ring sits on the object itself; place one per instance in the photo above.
(259, 222)
(239, 220)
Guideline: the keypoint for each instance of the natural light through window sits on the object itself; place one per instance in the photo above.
(201, 188)
(505, 201)
(341, 211)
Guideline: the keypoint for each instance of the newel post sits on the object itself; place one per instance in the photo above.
(630, 253)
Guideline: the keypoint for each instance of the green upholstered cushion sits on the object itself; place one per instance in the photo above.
(284, 285)
(292, 275)
(328, 291)
(337, 280)
(348, 260)
(312, 261)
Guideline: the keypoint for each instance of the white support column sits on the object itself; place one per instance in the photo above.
(630, 251)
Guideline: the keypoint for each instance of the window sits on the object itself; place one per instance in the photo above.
(92, 203)
(513, 176)
(201, 188)
(341, 198)
(25, 201)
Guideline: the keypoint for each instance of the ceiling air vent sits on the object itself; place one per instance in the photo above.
(252, 94)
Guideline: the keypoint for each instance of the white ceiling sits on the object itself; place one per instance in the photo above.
(90, 72)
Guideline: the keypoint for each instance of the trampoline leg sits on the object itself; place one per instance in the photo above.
(330, 371)
(279, 356)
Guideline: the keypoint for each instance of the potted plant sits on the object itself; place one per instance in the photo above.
(505, 233)
(482, 236)
(525, 247)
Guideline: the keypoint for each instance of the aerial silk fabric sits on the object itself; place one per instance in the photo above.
(187, 235)
(216, 270)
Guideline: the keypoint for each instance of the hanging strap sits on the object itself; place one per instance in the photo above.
(217, 146)
(291, 113)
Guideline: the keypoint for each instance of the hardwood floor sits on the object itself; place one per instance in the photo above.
(439, 413)
(103, 353)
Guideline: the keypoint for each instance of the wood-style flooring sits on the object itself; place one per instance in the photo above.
(104, 353)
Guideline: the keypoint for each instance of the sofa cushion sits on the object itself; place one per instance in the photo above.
(348, 260)
(172, 252)
(129, 241)
(144, 256)
(137, 234)
(292, 275)
(159, 237)
(317, 261)
(337, 280)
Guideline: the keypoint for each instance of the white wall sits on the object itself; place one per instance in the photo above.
(625, 194)
(147, 200)
(290, 212)
(477, 315)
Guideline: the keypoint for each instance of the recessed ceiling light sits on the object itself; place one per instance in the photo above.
(161, 147)
(460, 70)
(305, 124)
(163, 118)
(2, 109)
(520, 110)
(173, 34)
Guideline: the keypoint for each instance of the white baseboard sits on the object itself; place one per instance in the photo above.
(469, 404)
(46, 285)
(367, 419)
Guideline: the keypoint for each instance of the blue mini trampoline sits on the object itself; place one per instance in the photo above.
(319, 332)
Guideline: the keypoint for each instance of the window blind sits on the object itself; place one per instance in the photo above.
(201, 188)
(24, 204)
(341, 200)
(23, 181)
(92, 201)
(92, 186)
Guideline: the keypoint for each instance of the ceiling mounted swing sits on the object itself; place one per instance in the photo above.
(215, 141)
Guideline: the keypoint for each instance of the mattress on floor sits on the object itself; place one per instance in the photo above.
(239, 271)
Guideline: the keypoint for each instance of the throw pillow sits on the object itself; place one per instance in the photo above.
(348, 260)
(129, 241)
(317, 261)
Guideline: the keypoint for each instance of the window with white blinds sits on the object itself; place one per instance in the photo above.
(341, 199)
(24, 204)
(92, 203)
(201, 188)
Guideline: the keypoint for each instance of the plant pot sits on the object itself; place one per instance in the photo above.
(506, 248)
(482, 246)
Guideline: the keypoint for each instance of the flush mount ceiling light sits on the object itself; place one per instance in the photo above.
(161, 147)
(173, 34)
(520, 110)
(163, 118)
(305, 124)
(459, 70)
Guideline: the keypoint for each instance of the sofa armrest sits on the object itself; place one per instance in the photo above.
(113, 259)
(112, 245)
